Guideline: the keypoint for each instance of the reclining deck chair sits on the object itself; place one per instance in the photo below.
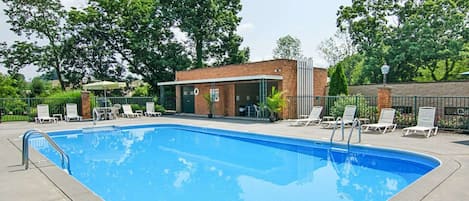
(313, 117)
(128, 111)
(385, 122)
(425, 122)
(346, 119)
(43, 114)
(151, 110)
(72, 112)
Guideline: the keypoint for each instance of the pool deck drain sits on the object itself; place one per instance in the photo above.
(45, 182)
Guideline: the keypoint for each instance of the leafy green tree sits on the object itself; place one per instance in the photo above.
(431, 37)
(352, 67)
(138, 31)
(424, 37)
(17, 56)
(7, 88)
(211, 29)
(288, 47)
(338, 84)
(41, 20)
(141, 91)
(229, 52)
(37, 87)
(337, 48)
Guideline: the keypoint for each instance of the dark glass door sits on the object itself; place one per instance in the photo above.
(188, 99)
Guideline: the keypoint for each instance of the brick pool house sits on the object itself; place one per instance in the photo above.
(238, 89)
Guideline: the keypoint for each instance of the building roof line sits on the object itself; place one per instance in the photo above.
(223, 79)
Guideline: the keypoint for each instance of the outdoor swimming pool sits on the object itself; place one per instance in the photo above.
(177, 162)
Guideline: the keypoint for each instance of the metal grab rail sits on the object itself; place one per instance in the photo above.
(356, 123)
(335, 128)
(63, 156)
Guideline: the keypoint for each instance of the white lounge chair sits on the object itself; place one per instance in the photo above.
(313, 117)
(425, 122)
(151, 110)
(72, 112)
(128, 111)
(43, 114)
(346, 119)
(385, 122)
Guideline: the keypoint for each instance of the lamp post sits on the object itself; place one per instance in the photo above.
(384, 71)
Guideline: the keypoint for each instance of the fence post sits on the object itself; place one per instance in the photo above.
(415, 109)
(384, 98)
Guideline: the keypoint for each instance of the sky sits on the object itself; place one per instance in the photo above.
(263, 22)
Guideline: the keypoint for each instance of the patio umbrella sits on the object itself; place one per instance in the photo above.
(104, 85)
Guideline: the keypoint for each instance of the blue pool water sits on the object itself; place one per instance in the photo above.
(178, 163)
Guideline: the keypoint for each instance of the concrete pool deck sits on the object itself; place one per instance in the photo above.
(45, 182)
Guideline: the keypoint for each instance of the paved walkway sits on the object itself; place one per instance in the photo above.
(45, 182)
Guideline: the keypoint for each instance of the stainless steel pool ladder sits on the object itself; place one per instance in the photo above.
(355, 123)
(63, 156)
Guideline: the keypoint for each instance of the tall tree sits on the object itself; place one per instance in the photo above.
(136, 30)
(43, 20)
(211, 29)
(367, 24)
(423, 36)
(430, 37)
(338, 84)
(17, 56)
(288, 47)
(337, 48)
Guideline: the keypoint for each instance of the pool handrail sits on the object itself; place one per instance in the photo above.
(355, 123)
(25, 160)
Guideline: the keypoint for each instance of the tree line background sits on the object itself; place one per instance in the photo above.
(422, 40)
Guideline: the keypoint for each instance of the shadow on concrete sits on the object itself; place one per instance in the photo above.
(221, 119)
(465, 142)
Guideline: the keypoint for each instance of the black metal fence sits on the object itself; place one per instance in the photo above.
(452, 112)
(333, 106)
(25, 109)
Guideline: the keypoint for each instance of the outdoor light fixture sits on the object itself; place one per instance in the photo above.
(384, 71)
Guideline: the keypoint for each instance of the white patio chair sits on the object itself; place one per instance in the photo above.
(346, 119)
(72, 112)
(43, 114)
(313, 117)
(425, 122)
(128, 111)
(385, 122)
(114, 111)
(151, 110)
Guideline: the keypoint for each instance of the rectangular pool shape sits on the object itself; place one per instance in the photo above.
(179, 163)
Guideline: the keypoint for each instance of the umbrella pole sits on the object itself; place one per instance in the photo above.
(105, 98)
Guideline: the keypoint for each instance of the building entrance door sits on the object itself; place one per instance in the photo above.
(188, 99)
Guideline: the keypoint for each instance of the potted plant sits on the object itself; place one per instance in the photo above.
(274, 103)
(209, 101)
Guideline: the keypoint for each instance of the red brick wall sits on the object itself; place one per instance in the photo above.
(320, 81)
(384, 98)
(219, 108)
(256, 68)
(85, 105)
(229, 99)
(226, 105)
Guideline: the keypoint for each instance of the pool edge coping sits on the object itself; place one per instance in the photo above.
(418, 190)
